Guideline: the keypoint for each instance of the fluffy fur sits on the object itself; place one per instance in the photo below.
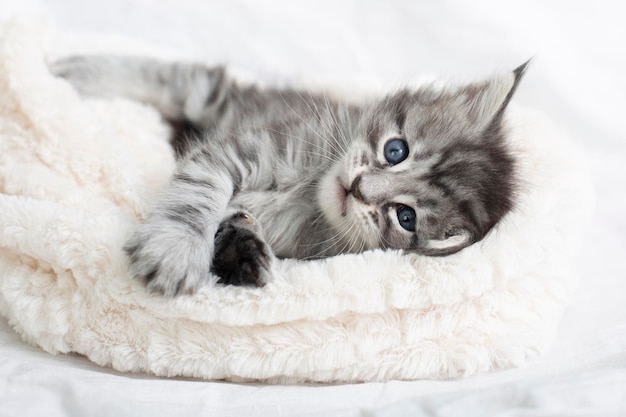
(75, 180)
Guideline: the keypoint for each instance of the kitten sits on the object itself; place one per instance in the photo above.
(295, 174)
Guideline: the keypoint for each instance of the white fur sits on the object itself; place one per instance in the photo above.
(76, 174)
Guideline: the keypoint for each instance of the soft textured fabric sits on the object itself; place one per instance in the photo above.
(76, 174)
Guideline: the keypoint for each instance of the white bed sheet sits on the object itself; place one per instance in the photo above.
(577, 78)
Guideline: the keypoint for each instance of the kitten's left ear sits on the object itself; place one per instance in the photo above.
(447, 246)
(486, 101)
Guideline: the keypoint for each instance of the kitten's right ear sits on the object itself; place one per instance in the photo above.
(517, 74)
(485, 102)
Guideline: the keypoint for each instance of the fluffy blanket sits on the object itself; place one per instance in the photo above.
(77, 174)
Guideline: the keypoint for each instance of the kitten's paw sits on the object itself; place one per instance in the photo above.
(170, 262)
(242, 257)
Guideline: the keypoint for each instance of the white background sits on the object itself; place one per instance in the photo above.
(578, 77)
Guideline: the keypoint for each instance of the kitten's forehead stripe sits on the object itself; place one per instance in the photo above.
(428, 203)
(400, 118)
(373, 134)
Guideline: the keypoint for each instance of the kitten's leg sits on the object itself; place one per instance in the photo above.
(194, 223)
(176, 246)
(180, 91)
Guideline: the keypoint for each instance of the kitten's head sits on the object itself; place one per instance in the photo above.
(428, 171)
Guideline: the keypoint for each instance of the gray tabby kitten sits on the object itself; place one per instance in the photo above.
(286, 173)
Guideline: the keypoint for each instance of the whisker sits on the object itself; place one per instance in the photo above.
(318, 114)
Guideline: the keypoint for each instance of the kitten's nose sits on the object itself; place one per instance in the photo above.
(355, 190)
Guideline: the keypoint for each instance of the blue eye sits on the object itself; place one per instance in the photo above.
(396, 151)
(406, 217)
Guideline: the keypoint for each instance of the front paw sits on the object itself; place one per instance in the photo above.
(168, 260)
(242, 257)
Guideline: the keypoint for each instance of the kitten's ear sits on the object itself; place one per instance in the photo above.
(448, 246)
(485, 102)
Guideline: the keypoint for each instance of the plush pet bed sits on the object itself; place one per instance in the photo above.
(77, 174)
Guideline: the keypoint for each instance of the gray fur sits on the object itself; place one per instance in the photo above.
(286, 159)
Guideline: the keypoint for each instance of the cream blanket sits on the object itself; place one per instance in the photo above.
(77, 174)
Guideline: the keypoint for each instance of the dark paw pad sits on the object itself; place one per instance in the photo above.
(241, 255)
